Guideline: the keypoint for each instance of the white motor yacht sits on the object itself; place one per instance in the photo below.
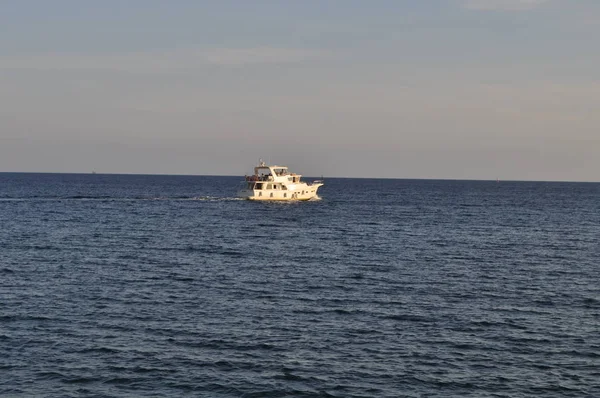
(277, 183)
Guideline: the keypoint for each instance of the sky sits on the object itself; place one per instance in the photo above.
(449, 89)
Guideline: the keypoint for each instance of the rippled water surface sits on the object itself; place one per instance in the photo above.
(165, 286)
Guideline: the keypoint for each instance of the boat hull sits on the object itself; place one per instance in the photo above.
(301, 192)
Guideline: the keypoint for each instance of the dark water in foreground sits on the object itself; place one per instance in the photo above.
(165, 286)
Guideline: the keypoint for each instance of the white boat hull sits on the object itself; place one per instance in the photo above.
(299, 192)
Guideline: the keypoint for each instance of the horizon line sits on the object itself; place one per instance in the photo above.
(323, 177)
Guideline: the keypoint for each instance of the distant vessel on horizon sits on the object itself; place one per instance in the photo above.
(276, 183)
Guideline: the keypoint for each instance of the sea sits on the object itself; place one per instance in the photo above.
(170, 286)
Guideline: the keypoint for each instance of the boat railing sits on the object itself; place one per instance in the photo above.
(259, 178)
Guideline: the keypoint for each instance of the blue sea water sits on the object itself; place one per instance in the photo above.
(167, 286)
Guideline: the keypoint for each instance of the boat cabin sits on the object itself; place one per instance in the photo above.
(278, 174)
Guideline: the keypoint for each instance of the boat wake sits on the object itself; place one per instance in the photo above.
(215, 199)
(125, 199)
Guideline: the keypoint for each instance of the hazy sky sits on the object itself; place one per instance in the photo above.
(476, 89)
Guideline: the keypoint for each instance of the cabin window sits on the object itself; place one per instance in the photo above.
(285, 195)
(269, 186)
(271, 194)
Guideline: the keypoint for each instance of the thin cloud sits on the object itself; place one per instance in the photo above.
(503, 5)
(160, 62)
(260, 55)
